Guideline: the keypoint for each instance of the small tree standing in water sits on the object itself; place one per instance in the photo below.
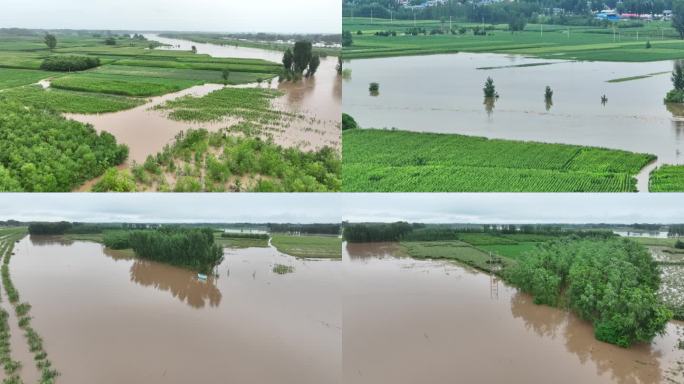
(193, 49)
(374, 89)
(548, 97)
(676, 95)
(490, 90)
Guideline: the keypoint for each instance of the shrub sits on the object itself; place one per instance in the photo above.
(115, 181)
(348, 122)
(69, 63)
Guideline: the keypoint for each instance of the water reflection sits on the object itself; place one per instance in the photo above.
(182, 284)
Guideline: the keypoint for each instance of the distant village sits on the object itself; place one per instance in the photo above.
(604, 14)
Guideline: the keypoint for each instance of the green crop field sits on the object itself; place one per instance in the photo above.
(547, 41)
(309, 246)
(16, 77)
(400, 161)
(128, 68)
(70, 101)
(240, 242)
(667, 178)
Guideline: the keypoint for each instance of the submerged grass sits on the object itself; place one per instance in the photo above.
(400, 161)
(281, 269)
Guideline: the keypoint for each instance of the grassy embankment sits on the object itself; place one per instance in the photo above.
(309, 246)
(581, 43)
(399, 161)
(48, 374)
(129, 70)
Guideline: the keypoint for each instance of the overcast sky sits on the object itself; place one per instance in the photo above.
(335, 207)
(297, 16)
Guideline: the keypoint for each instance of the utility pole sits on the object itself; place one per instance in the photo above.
(450, 26)
(371, 15)
(414, 18)
(541, 29)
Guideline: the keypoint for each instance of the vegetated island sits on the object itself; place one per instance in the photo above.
(613, 283)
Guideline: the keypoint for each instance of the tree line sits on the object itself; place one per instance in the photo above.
(241, 235)
(300, 61)
(311, 229)
(612, 283)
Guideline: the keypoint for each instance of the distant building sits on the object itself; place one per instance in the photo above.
(607, 14)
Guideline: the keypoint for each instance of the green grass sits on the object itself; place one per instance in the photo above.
(309, 246)
(511, 251)
(16, 77)
(667, 178)
(668, 242)
(583, 43)
(71, 101)
(281, 269)
(121, 85)
(455, 251)
(400, 161)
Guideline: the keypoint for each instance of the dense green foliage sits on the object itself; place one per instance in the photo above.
(581, 42)
(116, 239)
(667, 178)
(399, 161)
(59, 228)
(309, 246)
(114, 180)
(188, 248)
(611, 283)
(69, 63)
(348, 122)
(42, 151)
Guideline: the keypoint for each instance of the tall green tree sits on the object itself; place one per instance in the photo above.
(313, 65)
(50, 41)
(678, 76)
(288, 59)
(301, 55)
(678, 17)
(347, 39)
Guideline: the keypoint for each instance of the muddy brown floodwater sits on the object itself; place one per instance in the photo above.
(108, 318)
(410, 321)
(317, 103)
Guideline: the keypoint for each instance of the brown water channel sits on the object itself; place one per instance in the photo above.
(108, 318)
(443, 93)
(410, 321)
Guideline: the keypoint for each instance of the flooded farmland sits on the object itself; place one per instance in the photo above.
(408, 321)
(443, 93)
(109, 318)
(316, 101)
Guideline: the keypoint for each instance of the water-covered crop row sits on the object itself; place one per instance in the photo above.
(47, 373)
